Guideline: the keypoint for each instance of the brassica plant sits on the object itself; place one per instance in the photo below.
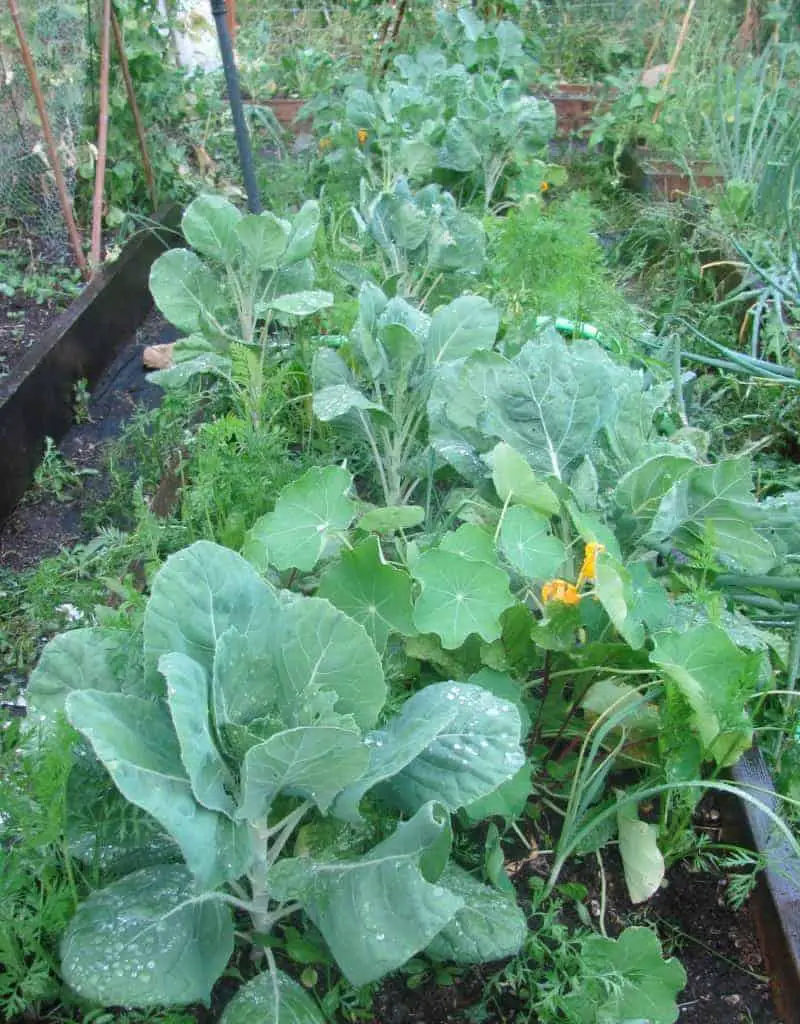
(246, 712)
(421, 235)
(244, 271)
(399, 352)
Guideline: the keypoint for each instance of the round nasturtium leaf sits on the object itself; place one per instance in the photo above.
(391, 518)
(471, 541)
(373, 593)
(528, 544)
(308, 513)
(459, 597)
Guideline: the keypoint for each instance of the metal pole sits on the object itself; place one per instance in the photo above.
(219, 10)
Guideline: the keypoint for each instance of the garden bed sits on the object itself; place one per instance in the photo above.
(37, 396)
(49, 517)
(776, 905)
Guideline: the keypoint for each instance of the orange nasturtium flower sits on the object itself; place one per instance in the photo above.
(544, 187)
(588, 571)
(560, 590)
(363, 135)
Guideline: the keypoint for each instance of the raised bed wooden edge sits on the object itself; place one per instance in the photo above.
(776, 901)
(37, 395)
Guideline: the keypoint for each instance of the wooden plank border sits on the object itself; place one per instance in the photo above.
(776, 901)
(37, 395)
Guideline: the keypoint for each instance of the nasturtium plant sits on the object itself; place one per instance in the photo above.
(243, 273)
(626, 979)
(308, 516)
(257, 710)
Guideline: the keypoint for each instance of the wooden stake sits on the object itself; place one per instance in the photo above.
(232, 20)
(654, 45)
(137, 117)
(49, 141)
(676, 53)
(102, 138)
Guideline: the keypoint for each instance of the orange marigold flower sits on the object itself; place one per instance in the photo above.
(363, 135)
(560, 590)
(588, 571)
(544, 187)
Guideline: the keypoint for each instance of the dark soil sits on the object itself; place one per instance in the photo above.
(42, 525)
(23, 319)
(716, 945)
(719, 950)
(22, 322)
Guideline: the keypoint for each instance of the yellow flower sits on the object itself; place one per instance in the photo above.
(544, 187)
(589, 568)
(560, 590)
(363, 135)
(325, 144)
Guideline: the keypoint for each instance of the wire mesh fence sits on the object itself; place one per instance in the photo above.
(56, 34)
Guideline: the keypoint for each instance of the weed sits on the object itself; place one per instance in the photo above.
(56, 477)
(81, 396)
(39, 890)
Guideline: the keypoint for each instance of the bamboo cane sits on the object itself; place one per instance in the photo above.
(677, 52)
(102, 137)
(49, 141)
(137, 117)
(654, 44)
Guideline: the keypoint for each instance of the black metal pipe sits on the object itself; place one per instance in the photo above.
(219, 9)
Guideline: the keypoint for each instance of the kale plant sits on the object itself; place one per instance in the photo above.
(242, 712)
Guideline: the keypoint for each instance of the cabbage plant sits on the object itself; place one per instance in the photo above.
(473, 127)
(245, 713)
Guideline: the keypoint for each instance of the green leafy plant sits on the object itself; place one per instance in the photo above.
(244, 712)
(38, 883)
(420, 236)
(252, 271)
(473, 129)
(55, 476)
(398, 352)
(626, 979)
(635, 114)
